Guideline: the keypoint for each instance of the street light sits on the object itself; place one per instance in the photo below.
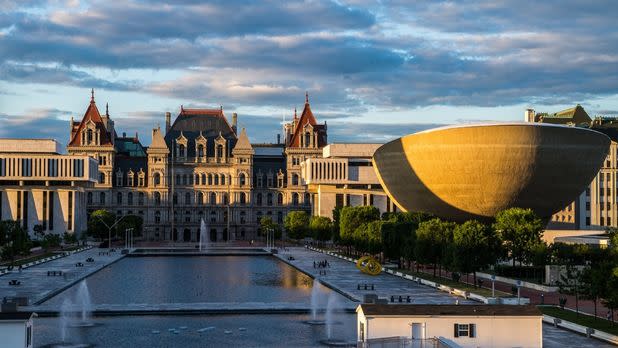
(109, 229)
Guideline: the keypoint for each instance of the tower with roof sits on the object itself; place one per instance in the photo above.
(94, 136)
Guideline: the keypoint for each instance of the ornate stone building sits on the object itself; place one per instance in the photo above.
(201, 167)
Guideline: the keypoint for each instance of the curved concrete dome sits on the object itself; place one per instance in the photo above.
(475, 171)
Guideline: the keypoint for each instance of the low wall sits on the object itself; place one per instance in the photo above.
(524, 284)
(590, 332)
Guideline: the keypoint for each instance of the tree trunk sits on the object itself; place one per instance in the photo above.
(434, 269)
(595, 309)
(474, 277)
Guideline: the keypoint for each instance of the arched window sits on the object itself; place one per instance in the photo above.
(181, 150)
(269, 199)
(243, 198)
(89, 137)
(157, 216)
(219, 151)
(102, 198)
(119, 198)
(184, 179)
(140, 198)
(280, 198)
(175, 198)
(242, 178)
(225, 200)
(157, 198)
(213, 216)
(258, 199)
(130, 198)
(203, 179)
(200, 150)
(187, 198)
(89, 197)
(157, 179)
(213, 198)
(307, 139)
(258, 216)
(101, 178)
(243, 217)
(209, 179)
(294, 179)
(307, 199)
(222, 179)
(197, 179)
(216, 179)
(279, 217)
(177, 179)
(200, 198)
(295, 198)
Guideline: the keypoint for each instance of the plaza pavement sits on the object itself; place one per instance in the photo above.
(344, 277)
(38, 286)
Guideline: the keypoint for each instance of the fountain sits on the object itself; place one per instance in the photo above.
(204, 243)
(331, 340)
(75, 315)
(315, 299)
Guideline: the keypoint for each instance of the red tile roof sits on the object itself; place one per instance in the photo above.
(92, 114)
(307, 118)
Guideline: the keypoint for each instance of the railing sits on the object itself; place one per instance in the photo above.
(405, 342)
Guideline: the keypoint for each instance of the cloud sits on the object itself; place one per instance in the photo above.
(36, 123)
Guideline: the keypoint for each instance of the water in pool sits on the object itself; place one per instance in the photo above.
(194, 279)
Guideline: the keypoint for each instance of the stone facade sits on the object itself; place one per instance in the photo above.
(201, 167)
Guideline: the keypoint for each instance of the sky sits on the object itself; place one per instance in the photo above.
(374, 70)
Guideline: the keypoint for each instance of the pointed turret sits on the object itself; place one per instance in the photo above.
(243, 143)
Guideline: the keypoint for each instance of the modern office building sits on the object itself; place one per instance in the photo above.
(344, 176)
(41, 186)
(200, 167)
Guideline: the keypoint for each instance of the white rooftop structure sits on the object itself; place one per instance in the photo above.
(38, 146)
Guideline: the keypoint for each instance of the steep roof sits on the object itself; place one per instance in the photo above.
(158, 142)
(575, 115)
(243, 142)
(210, 122)
(307, 118)
(448, 310)
(92, 114)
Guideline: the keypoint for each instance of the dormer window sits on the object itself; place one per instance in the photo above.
(131, 178)
(200, 150)
(307, 139)
(89, 137)
(119, 178)
(181, 150)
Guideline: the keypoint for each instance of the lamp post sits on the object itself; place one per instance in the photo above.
(109, 229)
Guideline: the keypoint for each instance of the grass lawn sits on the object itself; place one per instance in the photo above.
(582, 319)
(454, 284)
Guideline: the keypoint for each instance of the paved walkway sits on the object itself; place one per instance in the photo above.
(548, 298)
(38, 286)
(343, 276)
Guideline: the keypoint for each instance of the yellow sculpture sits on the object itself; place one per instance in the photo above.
(369, 265)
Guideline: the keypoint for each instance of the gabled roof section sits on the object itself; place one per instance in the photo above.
(209, 122)
(91, 114)
(575, 115)
(129, 146)
(243, 143)
(307, 118)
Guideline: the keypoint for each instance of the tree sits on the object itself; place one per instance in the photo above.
(368, 237)
(520, 231)
(335, 224)
(353, 217)
(474, 246)
(39, 231)
(433, 239)
(266, 223)
(96, 228)
(14, 239)
(296, 223)
(320, 227)
(129, 221)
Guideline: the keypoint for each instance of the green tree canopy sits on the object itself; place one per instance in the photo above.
(296, 223)
(353, 217)
(433, 240)
(321, 228)
(96, 227)
(368, 237)
(14, 239)
(474, 247)
(520, 231)
(130, 221)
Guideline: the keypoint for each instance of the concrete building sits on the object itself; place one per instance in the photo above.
(16, 329)
(596, 207)
(200, 167)
(40, 186)
(458, 325)
(475, 171)
(344, 176)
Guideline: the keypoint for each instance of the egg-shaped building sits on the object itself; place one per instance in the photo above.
(474, 171)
